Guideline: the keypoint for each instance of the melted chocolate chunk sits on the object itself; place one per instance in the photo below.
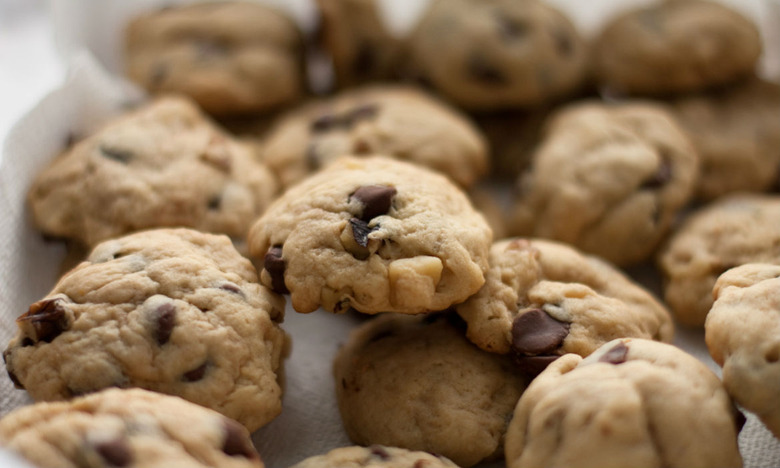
(115, 154)
(275, 266)
(237, 442)
(616, 355)
(376, 200)
(195, 374)
(165, 318)
(535, 332)
(230, 287)
(115, 452)
(360, 231)
(534, 365)
(48, 319)
(661, 176)
(480, 69)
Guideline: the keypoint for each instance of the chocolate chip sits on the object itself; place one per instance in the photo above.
(360, 231)
(324, 122)
(661, 176)
(115, 452)
(230, 287)
(376, 200)
(214, 202)
(237, 441)
(483, 71)
(165, 318)
(563, 41)
(115, 154)
(364, 112)
(510, 29)
(274, 264)
(48, 319)
(535, 332)
(365, 61)
(379, 452)
(616, 355)
(533, 365)
(195, 374)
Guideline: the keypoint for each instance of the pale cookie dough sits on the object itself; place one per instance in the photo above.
(398, 121)
(608, 179)
(736, 132)
(375, 456)
(163, 165)
(742, 332)
(374, 234)
(675, 46)
(498, 54)
(634, 403)
(127, 428)
(230, 57)
(417, 382)
(729, 232)
(542, 299)
(174, 311)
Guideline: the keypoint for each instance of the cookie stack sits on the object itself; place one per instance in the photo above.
(376, 200)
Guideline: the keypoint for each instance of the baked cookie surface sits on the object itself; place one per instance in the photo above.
(633, 402)
(417, 382)
(127, 428)
(375, 456)
(174, 311)
(608, 179)
(542, 299)
(230, 57)
(163, 165)
(398, 121)
(374, 234)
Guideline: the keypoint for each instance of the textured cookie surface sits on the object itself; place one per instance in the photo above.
(230, 57)
(731, 231)
(608, 179)
(164, 165)
(631, 403)
(374, 234)
(542, 299)
(675, 46)
(497, 54)
(127, 428)
(736, 132)
(375, 456)
(418, 383)
(742, 332)
(401, 122)
(174, 311)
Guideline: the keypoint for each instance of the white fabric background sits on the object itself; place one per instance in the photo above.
(309, 423)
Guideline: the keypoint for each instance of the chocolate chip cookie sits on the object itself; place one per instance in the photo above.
(742, 332)
(633, 402)
(127, 428)
(172, 310)
(373, 234)
(608, 179)
(497, 54)
(397, 121)
(417, 382)
(375, 456)
(736, 132)
(675, 46)
(542, 299)
(729, 232)
(230, 57)
(163, 165)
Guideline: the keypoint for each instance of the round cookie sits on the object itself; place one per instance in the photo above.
(608, 179)
(542, 299)
(498, 54)
(374, 234)
(163, 165)
(731, 231)
(402, 122)
(375, 456)
(675, 46)
(417, 382)
(174, 311)
(230, 57)
(128, 428)
(633, 402)
(742, 332)
(736, 132)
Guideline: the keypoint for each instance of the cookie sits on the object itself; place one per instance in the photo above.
(174, 311)
(736, 132)
(542, 299)
(375, 456)
(633, 402)
(729, 232)
(354, 36)
(230, 57)
(128, 428)
(608, 179)
(373, 234)
(742, 331)
(163, 165)
(674, 47)
(398, 121)
(497, 54)
(417, 382)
